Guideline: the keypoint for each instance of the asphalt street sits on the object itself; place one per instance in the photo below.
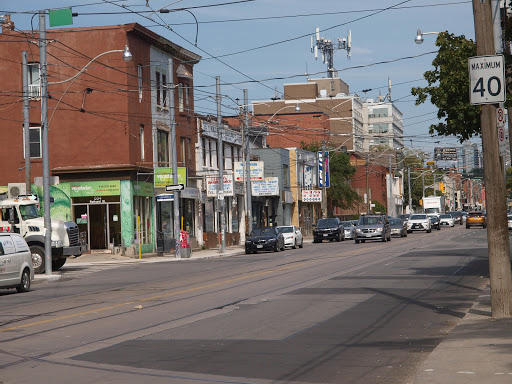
(327, 313)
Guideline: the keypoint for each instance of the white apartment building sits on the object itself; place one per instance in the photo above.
(382, 125)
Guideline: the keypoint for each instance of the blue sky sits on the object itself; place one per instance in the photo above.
(381, 30)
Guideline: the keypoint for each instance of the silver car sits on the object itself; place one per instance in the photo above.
(16, 269)
(372, 227)
(349, 229)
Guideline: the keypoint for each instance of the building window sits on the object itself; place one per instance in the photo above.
(286, 175)
(139, 78)
(180, 97)
(142, 210)
(35, 142)
(141, 139)
(158, 88)
(379, 112)
(186, 98)
(204, 151)
(164, 90)
(163, 148)
(185, 150)
(34, 80)
(377, 128)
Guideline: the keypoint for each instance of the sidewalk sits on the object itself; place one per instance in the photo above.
(477, 350)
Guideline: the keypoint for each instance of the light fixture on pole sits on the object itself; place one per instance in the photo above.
(419, 36)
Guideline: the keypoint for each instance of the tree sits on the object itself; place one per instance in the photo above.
(448, 89)
(340, 194)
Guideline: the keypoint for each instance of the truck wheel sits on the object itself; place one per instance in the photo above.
(25, 282)
(57, 264)
(38, 256)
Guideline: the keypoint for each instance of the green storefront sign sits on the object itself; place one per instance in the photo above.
(95, 188)
(163, 177)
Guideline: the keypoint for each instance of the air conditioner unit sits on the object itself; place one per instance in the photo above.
(16, 189)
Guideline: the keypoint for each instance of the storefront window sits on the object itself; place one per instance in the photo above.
(209, 216)
(188, 214)
(142, 209)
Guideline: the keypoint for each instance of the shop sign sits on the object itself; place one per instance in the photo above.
(256, 171)
(239, 188)
(95, 188)
(163, 177)
(307, 176)
(141, 188)
(213, 182)
(165, 197)
(267, 187)
(311, 196)
(190, 193)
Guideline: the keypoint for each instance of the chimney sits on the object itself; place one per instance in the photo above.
(6, 23)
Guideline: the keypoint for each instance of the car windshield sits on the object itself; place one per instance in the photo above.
(371, 220)
(509, 217)
(325, 223)
(29, 211)
(445, 216)
(395, 221)
(418, 217)
(263, 232)
(347, 224)
(403, 216)
(475, 213)
(285, 229)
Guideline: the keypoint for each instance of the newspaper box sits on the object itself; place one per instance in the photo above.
(185, 244)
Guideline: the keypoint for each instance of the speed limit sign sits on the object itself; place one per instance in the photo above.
(486, 79)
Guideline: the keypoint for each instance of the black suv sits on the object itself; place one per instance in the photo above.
(328, 229)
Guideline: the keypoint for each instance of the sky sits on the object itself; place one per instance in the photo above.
(260, 45)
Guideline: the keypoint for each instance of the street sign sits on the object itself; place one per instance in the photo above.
(220, 195)
(500, 116)
(486, 79)
(165, 197)
(177, 187)
(502, 139)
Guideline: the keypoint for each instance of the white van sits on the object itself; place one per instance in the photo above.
(16, 270)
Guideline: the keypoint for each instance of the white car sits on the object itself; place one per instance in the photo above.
(349, 229)
(292, 236)
(446, 219)
(419, 222)
(16, 269)
(509, 219)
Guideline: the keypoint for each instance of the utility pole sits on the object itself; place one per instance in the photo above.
(45, 142)
(410, 196)
(390, 198)
(174, 149)
(368, 201)
(248, 194)
(220, 186)
(26, 122)
(497, 232)
(324, 182)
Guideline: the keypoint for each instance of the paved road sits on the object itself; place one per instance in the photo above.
(327, 313)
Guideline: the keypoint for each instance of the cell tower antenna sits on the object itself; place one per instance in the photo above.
(327, 48)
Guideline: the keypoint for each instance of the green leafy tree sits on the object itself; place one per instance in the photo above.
(379, 207)
(448, 89)
(340, 194)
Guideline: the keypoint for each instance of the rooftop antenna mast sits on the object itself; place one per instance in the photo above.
(327, 48)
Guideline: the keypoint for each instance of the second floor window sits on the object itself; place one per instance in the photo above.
(158, 87)
(34, 80)
(162, 148)
(35, 142)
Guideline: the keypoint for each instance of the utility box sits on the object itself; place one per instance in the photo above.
(185, 250)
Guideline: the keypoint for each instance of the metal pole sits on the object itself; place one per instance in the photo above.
(45, 141)
(423, 185)
(220, 188)
(368, 202)
(248, 163)
(26, 122)
(174, 149)
(390, 198)
(410, 196)
(324, 191)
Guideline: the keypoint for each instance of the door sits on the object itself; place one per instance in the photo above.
(98, 226)
(114, 224)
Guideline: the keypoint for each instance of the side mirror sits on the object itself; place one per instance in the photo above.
(11, 216)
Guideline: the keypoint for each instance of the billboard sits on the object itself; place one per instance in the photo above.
(445, 153)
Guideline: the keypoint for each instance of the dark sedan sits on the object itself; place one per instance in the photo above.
(398, 227)
(264, 239)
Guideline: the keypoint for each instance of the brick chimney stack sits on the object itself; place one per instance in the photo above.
(6, 23)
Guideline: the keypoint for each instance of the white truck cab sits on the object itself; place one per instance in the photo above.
(21, 215)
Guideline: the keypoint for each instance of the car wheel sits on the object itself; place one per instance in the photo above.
(338, 238)
(429, 230)
(57, 264)
(409, 231)
(343, 238)
(301, 243)
(362, 241)
(38, 258)
(294, 246)
(357, 241)
(389, 237)
(438, 227)
(24, 282)
(247, 251)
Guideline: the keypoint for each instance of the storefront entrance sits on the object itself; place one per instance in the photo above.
(101, 221)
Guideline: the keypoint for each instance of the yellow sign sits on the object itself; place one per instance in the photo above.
(431, 162)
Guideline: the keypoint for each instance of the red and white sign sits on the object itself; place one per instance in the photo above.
(500, 116)
(311, 196)
(502, 140)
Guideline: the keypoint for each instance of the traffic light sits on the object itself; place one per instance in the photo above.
(442, 188)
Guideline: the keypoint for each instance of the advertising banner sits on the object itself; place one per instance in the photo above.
(95, 188)
(257, 168)
(320, 169)
(267, 187)
(213, 182)
(311, 196)
(163, 177)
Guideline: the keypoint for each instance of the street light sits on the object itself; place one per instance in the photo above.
(419, 36)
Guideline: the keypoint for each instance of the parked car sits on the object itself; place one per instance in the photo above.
(328, 229)
(349, 229)
(264, 239)
(16, 269)
(457, 217)
(419, 222)
(509, 219)
(476, 219)
(398, 227)
(434, 222)
(372, 227)
(446, 219)
(292, 236)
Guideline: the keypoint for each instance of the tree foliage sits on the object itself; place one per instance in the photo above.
(340, 194)
(448, 89)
